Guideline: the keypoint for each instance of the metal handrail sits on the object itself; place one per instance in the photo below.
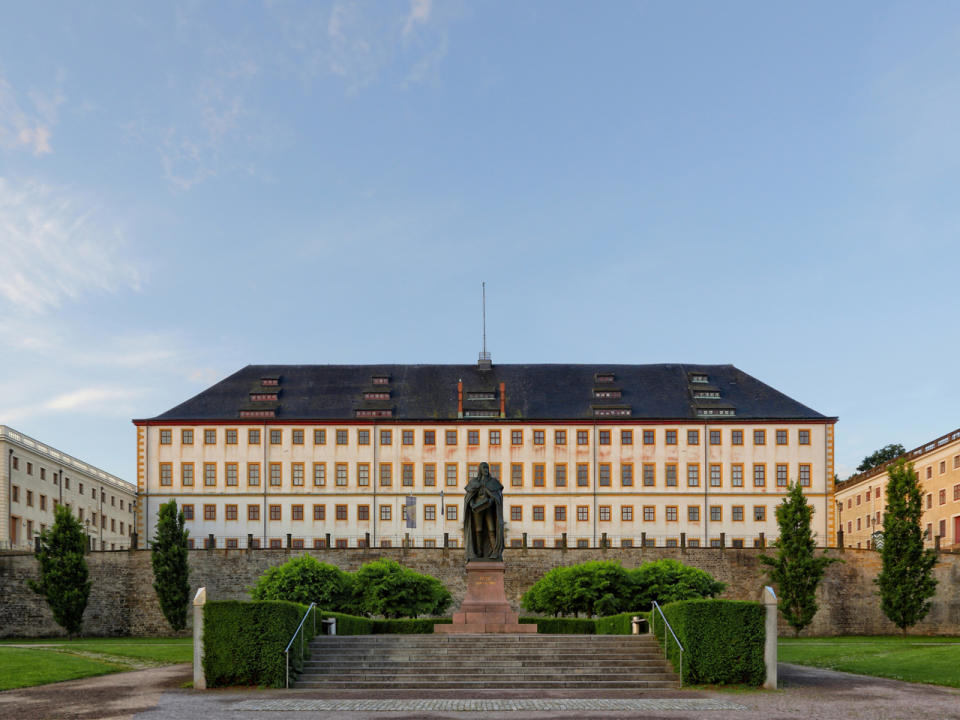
(666, 623)
(286, 652)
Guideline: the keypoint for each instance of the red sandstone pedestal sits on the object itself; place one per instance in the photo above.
(485, 608)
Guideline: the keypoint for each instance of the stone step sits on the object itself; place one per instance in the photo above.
(504, 684)
(533, 660)
(490, 670)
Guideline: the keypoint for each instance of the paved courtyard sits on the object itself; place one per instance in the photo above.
(158, 694)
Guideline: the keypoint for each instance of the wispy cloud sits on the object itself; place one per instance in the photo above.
(56, 247)
(28, 128)
(419, 15)
(97, 400)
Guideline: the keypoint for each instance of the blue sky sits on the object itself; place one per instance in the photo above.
(186, 188)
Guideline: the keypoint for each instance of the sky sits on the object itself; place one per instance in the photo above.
(190, 187)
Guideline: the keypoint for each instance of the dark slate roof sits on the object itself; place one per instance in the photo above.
(533, 392)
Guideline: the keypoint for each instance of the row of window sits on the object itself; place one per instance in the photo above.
(668, 474)
(66, 482)
(943, 466)
(41, 502)
(494, 437)
(671, 513)
(941, 497)
(232, 543)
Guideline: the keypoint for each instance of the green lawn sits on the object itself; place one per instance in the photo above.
(934, 660)
(56, 659)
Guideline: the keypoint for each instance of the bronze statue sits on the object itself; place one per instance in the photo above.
(483, 516)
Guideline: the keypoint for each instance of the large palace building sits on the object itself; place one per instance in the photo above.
(378, 455)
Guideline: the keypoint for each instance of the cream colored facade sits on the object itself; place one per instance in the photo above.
(861, 499)
(36, 478)
(347, 483)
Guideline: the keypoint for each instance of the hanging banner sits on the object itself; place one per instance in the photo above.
(410, 511)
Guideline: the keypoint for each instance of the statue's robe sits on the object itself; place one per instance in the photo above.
(494, 546)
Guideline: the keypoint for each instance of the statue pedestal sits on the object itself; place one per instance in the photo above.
(485, 608)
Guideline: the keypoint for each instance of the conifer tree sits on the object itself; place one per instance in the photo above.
(170, 568)
(906, 581)
(795, 570)
(64, 578)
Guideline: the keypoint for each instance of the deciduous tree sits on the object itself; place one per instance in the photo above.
(906, 581)
(884, 454)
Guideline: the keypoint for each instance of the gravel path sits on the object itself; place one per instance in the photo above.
(156, 694)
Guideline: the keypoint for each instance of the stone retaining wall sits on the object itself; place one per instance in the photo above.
(123, 602)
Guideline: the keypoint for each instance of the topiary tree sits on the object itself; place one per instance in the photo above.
(384, 587)
(168, 555)
(796, 571)
(667, 581)
(64, 578)
(605, 588)
(305, 580)
(906, 580)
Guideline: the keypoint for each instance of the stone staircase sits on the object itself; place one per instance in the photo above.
(486, 661)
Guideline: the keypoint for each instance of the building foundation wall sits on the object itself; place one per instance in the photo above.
(123, 602)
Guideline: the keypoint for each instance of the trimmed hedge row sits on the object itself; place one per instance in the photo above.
(621, 624)
(723, 640)
(244, 642)
(408, 626)
(349, 624)
(562, 626)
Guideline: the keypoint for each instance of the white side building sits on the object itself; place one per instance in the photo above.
(35, 478)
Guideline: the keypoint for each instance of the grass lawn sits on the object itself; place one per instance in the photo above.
(56, 659)
(934, 660)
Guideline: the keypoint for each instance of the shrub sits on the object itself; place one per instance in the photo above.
(668, 581)
(384, 587)
(723, 640)
(589, 588)
(347, 624)
(408, 626)
(305, 580)
(562, 626)
(244, 642)
(605, 588)
(621, 624)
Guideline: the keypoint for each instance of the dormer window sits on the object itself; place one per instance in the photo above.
(263, 396)
(377, 395)
(484, 395)
(611, 412)
(257, 413)
(381, 379)
(698, 378)
(706, 395)
(606, 394)
(604, 377)
(269, 381)
(374, 413)
(715, 412)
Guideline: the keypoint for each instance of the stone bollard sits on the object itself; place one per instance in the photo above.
(770, 646)
(199, 679)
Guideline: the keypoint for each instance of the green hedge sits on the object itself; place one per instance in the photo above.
(408, 626)
(723, 640)
(562, 626)
(244, 642)
(348, 624)
(621, 624)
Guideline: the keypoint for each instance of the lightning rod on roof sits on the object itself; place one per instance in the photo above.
(484, 360)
